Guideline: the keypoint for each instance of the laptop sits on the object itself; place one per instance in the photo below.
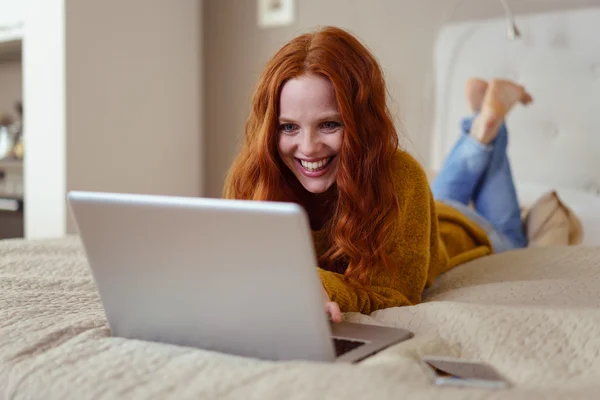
(232, 276)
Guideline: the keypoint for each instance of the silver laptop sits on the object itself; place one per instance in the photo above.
(232, 276)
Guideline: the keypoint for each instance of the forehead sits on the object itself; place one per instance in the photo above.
(307, 94)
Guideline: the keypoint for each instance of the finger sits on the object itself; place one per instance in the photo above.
(333, 309)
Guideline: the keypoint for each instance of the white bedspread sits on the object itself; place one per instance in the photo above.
(533, 314)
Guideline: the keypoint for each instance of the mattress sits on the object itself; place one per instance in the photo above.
(533, 314)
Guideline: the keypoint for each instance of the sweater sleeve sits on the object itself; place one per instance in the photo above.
(417, 248)
(353, 297)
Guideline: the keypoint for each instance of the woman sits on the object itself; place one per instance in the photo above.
(320, 134)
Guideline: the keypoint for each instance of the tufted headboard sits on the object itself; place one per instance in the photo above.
(555, 142)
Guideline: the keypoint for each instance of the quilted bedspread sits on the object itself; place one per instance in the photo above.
(533, 314)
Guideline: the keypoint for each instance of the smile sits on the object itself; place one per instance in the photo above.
(314, 169)
(315, 166)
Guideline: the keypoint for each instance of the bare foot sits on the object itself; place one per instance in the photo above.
(475, 89)
(502, 95)
(499, 99)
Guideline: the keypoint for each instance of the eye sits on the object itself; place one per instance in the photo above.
(330, 125)
(288, 128)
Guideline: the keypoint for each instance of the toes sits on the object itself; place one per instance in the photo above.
(526, 99)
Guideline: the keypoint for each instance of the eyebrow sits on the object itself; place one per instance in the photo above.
(321, 118)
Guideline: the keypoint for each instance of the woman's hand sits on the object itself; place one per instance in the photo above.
(332, 308)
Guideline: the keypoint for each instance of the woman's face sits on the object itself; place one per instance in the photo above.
(310, 131)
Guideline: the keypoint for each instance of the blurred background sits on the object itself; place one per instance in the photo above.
(151, 96)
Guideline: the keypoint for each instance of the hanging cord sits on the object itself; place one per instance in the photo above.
(512, 31)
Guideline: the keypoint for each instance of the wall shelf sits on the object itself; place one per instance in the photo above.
(12, 220)
(11, 44)
(10, 50)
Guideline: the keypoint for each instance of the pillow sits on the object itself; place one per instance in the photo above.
(549, 222)
(585, 204)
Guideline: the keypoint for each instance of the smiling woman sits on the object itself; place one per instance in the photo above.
(320, 134)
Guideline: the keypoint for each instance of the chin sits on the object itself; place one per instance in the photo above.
(317, 187)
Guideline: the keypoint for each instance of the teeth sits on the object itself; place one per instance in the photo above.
(315, 166)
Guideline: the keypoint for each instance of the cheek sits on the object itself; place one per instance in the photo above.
(336, 141)
(284, 146)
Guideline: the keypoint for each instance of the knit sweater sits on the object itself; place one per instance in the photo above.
(430, 238)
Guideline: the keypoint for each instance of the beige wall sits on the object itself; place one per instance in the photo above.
(116, 105)
(133, 113)
(401, 33)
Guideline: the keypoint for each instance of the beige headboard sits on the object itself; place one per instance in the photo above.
(555, 142)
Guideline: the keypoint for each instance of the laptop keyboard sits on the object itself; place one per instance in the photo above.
(343, 346)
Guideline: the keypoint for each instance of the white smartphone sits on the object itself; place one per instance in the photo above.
(449, 371)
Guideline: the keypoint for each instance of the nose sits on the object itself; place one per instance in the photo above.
(310, 142)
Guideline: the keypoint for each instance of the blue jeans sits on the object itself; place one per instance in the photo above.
(481, 174)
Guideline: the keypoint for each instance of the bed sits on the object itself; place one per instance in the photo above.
(534, 313)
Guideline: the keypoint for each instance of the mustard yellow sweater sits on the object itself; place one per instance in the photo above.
(431, 238)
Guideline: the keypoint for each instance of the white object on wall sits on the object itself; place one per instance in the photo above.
(44, 119)
(272, 13)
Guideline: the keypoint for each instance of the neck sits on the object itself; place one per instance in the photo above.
(319, 206)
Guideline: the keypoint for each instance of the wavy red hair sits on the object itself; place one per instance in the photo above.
(361, 229)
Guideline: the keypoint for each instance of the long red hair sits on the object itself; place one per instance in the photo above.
(361, 229)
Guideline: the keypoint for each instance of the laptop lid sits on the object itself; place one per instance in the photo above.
(228, 275)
